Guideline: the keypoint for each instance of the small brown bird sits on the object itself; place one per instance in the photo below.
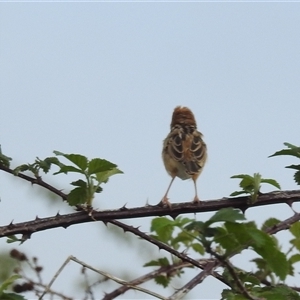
(184, 152)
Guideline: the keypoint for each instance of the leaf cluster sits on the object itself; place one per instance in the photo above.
(291, 151)
(225, 234)
(94, 172)
(251, 185)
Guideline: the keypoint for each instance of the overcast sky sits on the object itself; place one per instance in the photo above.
(102, 79)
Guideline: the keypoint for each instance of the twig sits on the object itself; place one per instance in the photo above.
(225, 261)
(116, 279)
(180, 293)
(151, 275)
(35, 180)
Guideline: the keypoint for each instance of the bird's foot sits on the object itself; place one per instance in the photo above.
(165, 202)
(196, 200)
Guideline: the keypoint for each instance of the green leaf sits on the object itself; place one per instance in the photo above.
(80, 183)
(65, 169)
(279, 292)
(293, 151)
(226, 215)
(5, 284)
(98, 165)
(21, 168)
(77, 196)
(246, 182)
(11, 296)
(4, 160)
(13, 239)
(227, 240)
(297, 177)
(45, 164)
(237, 193)
(163, 227)
(295, 167)
(160, 223)
(248, 277)
(263, 269)
(180, 221)
(264, 245)
(272, 182)
(230, 295)
(295, 229)
(104, 176)
(198, 226)
(296, 243)
(270, 223)
(295, 258)
(163, 280)
(239, 232)
(183, 237)
(198, 248)
(77, 159)
(160, 262)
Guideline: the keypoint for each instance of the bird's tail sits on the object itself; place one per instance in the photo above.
(192, 167)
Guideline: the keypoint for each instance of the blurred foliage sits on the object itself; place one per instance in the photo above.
(7, 265)
(224, 235)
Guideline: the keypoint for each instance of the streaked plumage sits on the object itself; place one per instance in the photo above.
(184, 152)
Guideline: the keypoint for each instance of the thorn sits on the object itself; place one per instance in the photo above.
(124, 207)
(174, 216)
(147, 202)
(37, 218)
(25, 237)
(10, 225)
(290, 204)
(105, 223)
(184, 252)
(57, 215)
(243, 210)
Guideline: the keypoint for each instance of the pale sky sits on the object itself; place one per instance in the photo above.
(102, 79)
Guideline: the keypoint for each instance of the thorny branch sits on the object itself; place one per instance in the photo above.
(40, 224)
(27, 228)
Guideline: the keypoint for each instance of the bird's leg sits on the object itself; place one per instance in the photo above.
(165, 199)
(196, 198)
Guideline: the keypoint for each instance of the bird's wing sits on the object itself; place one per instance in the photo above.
(188, 148)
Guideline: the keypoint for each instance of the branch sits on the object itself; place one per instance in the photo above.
(35, 180)
(225, 261)
(149, 276)
(29, 227)
(165, 247)
(208, 270)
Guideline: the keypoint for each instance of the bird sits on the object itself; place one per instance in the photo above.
(184, 151)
